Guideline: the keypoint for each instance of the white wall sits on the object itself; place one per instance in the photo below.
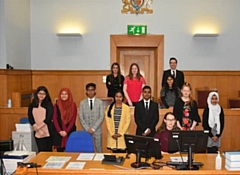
(2, 37)
(97, 19)
(17, 28)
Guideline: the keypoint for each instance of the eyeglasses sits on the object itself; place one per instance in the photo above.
(90, 90)
(170, 120)
(41, 93)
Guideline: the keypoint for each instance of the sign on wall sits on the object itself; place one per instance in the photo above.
(137, 29)
(137, 6)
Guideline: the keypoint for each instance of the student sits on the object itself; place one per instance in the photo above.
(177, 74)
(40, 113)
(92, 115)
(133, 85)
(186, 110)
(169, 93)
(114, 80)
(64, 118)
(213, 121)
(146, 114)
(118, 119)
(168, 124)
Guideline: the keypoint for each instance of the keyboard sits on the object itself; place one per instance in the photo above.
(180, 163)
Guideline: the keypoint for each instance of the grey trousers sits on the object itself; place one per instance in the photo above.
(97, 139)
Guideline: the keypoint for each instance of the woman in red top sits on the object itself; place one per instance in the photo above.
(64, 117)
(133, 85)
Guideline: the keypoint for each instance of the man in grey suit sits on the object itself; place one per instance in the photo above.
(91, 115)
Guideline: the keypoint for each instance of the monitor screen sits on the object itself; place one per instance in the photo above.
(142, 146)
(188, 142)
(6, 145)
(183, 139)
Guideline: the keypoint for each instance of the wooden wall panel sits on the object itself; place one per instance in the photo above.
(230, 136)
(74, 80)
(3, 88)
(14, 80)
(227, 82)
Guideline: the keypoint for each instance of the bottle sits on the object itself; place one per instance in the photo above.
(218, 162)
(9, 103)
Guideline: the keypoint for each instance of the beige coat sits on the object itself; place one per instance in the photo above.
(122, 129)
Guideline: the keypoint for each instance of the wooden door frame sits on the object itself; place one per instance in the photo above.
(147, 41)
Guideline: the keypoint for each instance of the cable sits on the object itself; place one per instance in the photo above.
(36, 169)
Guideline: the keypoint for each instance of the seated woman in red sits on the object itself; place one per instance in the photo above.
(168, 123)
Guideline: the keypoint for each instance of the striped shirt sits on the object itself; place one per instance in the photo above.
(117, 117)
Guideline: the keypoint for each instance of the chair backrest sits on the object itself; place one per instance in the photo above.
(80, 141)
(234, 103)
(202, 95)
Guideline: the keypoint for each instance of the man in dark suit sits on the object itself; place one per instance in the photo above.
(146, 114)
(177, 74)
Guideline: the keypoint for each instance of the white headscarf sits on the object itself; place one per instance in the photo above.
(214, 112)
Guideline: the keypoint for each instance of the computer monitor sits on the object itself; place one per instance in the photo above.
(5, 145)
(188, 142)
(142, 146)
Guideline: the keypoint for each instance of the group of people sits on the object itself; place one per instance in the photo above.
(52, 124)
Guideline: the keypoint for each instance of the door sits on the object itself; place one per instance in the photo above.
(146, 51)
(145, 60)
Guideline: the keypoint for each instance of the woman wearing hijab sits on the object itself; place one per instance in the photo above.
(64, 117)
(213, 121)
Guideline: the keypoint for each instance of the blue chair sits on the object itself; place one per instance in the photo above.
(80, 141)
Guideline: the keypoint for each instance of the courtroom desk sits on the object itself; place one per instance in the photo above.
(95, 167)
(230, 136)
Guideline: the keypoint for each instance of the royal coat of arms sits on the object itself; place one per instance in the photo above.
(137, 6)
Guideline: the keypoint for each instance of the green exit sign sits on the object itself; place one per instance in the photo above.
(137, 29)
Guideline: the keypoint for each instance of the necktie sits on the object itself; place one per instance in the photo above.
(173, 73)
(147, 106)
(91, 104)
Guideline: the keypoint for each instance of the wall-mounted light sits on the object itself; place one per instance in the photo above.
(206, 35)
(69, 34)
(205, 28)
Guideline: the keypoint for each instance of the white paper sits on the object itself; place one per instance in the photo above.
(179, 159)
(26, 127)
(75, 165)
(98, 157)
(17, 153)
(58, 158)
(54, 165)
(85, 156)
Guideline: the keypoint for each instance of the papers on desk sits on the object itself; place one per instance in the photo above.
(58, 159)
(54, 165)
(179, 159)
(56, 162)
(100, 156)
(85, 156)
(75, 165)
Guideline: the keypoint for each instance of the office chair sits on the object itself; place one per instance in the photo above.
(80, 141)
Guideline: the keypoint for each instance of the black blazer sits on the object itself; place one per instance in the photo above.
(178, 81)
(145, 119)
